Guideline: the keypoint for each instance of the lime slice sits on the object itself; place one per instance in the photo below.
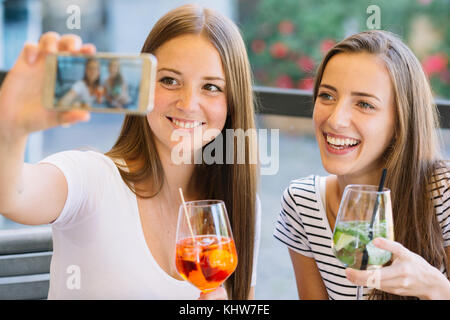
(377, 256)
(342, 240)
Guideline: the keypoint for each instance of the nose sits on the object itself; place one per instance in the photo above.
(341, 115)
(188, 100)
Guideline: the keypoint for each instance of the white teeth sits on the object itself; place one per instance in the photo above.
(186, 124)
(341, 142)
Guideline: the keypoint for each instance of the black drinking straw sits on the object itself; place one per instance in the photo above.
(365, 257)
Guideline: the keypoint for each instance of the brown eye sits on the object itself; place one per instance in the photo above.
(212, 88)
(168, 81)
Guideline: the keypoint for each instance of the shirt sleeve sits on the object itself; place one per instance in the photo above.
(289, 227)
(79, 171)
(441, 198)
(257, 239)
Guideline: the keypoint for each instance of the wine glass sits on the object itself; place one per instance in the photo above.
(364, 214)
(205, 250)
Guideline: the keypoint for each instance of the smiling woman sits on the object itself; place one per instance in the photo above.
(373, 109)
(354, 115)
(114, 215)
(203, 83)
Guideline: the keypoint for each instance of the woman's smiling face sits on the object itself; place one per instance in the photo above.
(354, 114)
(190, 94)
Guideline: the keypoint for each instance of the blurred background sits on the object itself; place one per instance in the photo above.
(286, 40)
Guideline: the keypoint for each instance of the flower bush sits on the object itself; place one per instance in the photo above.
(286, 39)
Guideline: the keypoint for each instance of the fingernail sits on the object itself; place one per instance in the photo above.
(377, 241)
(65, 125)
(31, 55)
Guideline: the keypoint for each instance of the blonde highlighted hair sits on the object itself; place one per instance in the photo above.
(414, 152)
(235, 184)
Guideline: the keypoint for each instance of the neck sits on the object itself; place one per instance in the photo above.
(371, 178)
(176, 176)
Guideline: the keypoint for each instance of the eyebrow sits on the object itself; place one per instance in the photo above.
(179, 73)
(353, 93)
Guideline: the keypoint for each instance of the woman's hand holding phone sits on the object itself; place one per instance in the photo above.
(21, 108)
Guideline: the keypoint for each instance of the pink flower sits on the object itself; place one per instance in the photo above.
(306, 84)
(306, 63)
(286, 27)
(434, 64)
(326, 45)
(258, 46)
(284, 81)
(279, 50)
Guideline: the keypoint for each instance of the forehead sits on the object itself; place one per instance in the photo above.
(360, 72)
(190, 53)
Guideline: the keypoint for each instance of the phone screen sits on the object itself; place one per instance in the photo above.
(96, 82)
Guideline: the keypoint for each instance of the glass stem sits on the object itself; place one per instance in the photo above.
(359, 292)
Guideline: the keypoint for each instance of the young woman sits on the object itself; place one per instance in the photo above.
(373, 109)
(85, 92)
(116, 89)
(114, 216)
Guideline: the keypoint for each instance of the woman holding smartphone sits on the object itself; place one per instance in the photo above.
(114, 215)
(373, 109)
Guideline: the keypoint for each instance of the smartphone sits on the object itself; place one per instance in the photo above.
(103, 82)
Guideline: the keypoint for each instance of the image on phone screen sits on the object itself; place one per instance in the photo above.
(100, 83)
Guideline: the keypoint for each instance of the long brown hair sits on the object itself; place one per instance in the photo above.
(235, 184)
(414, 153)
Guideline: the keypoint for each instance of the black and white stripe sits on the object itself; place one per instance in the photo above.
(302, 225)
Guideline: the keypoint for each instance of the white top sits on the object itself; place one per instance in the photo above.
(99, 249)
(83, 94)
(303, 226)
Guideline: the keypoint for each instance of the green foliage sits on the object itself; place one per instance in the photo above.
(286, 37)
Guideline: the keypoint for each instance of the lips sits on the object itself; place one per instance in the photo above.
(185, 123)
(339, 144)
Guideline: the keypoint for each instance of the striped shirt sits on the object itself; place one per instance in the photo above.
(303, 226)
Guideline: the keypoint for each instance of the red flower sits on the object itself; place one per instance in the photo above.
(258, 46)
(286, 27)
(284, 81)
(306, 63)
(326, 45)
(306, 84)
(434, 64)
(279, 50)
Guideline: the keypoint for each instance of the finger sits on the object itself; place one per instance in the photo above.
(30, 52)
(218, 294)
(396, 248)
(366, 278)
(88, 48)
(67, 118)
(70, 43)
(48, 43)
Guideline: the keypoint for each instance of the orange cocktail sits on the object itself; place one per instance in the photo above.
(206, 261)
